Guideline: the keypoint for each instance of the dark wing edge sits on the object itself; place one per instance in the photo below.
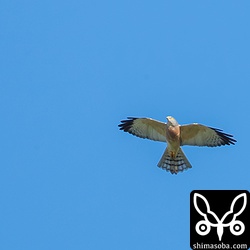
(226, 139)
(127, 124)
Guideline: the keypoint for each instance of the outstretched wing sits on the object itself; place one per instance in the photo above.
(200, 135)
(145, 128)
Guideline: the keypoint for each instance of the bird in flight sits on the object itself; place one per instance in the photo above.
(173, 158)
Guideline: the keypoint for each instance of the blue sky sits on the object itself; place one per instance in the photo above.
(70, 71)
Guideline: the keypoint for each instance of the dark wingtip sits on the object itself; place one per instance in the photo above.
(227, 139)
(126, 124)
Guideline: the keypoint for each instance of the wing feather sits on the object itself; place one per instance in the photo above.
(200, 135)
(145, 128)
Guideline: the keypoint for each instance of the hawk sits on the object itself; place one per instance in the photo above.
(173, 158)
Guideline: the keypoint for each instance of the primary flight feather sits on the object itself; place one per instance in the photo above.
(173, 159)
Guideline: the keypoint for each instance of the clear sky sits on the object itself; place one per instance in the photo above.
(70, 71)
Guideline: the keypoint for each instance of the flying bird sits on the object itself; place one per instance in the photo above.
(173, 158)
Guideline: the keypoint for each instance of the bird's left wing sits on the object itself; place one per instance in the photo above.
(200, 135)
(145, 128)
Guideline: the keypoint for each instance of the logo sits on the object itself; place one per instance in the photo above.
(219, 218)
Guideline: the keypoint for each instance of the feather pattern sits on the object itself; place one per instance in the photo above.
(174, 165)
(200, 135)
(145, 128)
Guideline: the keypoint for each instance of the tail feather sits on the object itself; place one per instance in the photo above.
(174, 165)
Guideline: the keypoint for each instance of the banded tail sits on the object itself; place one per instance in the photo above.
(174, 165)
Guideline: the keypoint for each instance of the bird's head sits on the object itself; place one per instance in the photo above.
(172, 121)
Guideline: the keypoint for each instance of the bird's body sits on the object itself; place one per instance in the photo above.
(173, 158)
(173, 136)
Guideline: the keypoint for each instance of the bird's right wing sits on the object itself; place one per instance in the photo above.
(145, 128)
(200, 135)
